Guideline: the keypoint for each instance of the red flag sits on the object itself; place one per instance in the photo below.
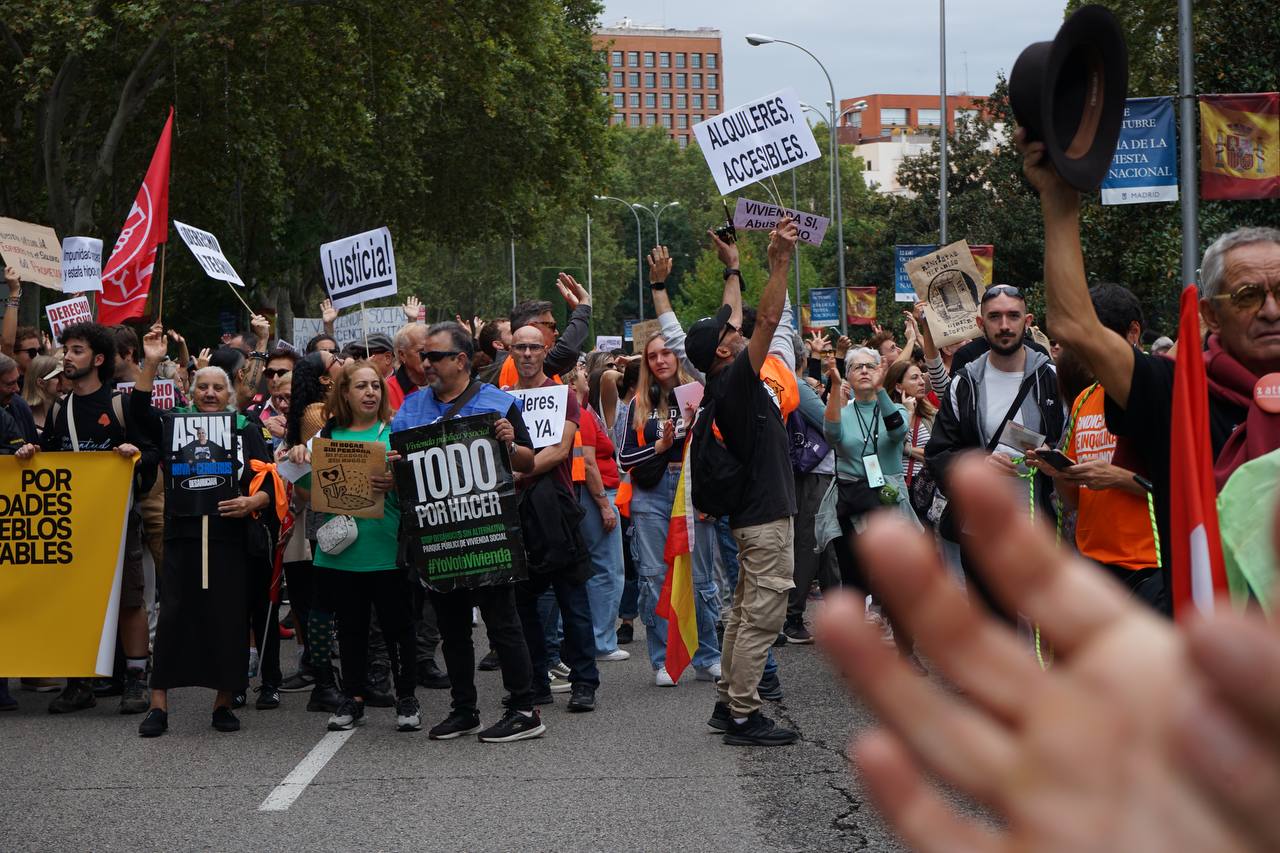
(126, 280)
(1198, 569)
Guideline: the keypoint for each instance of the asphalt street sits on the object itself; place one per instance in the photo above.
(641, 772)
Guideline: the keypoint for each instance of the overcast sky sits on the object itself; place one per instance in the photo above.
(867, 48)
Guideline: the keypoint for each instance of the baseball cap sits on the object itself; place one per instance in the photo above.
(703, 338)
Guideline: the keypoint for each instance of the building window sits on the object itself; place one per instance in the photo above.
(648, 59)
(649, 99)
(616, 60)
(713, 81)
(695, 60)
(965, 115)
(650, 80)
(713, 102)
(635, 119)
(664, 60)
(893, 116)
(679, 60)
(633, 59)
(633, 100)
(711, 60)
(681, 81)
(666, 121)
(928, 118)
(618, 99)
(695, 81)
(617, 78)
(633, 79)
(697, 102)
(619, 118)
(682, 101)
(683, 140)
(666, 100)
(651, 119)
(665, 80)
(682, 121)
(854, 119)
(696, 118)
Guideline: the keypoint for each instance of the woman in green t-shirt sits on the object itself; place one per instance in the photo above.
(363, 575)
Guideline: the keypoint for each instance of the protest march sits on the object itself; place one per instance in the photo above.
(1021, 518)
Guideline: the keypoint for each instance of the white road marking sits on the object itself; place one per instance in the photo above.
(284, 794)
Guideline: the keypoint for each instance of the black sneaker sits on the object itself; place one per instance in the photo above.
(76, 696)
(721, 719)
(626, 633)
(457, 724)
(432, 677)
(224, 720)
(797, 633)
(377, 697)
(154, 724)
(299, 682)
(239, 700)
(349, 715)
(780, 640)
(408, 714)
(136, 698)
(489, 662)
(758, 730)
(770, 687)
(583, 699)
(513, 726)
(324, 697)
(268, 698)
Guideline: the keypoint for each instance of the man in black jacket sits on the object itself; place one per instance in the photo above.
(562, 348)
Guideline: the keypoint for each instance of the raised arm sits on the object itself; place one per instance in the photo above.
(728, 254)
(564, 355)
(782, 243)
(9, 328)
(1070, 310)
(328, 316)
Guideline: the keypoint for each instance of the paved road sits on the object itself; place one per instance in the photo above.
(642, 772)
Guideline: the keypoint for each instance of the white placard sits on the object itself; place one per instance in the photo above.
(689, 398)
(755, 140)
(346, 329)
(544, 411)
(359, 268)
(81, 264)
(68, 313)
(164, 393)
(292, 471)
(608, 343)
(208, 252)
(751, 215)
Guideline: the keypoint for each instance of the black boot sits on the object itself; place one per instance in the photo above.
(325, 696)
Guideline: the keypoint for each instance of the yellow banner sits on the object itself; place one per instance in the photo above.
(62, 525)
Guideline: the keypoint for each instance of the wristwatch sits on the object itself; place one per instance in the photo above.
(262, 356)
(728, 271)
(657, 285)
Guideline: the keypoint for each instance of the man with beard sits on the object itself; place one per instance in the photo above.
(1010, 383)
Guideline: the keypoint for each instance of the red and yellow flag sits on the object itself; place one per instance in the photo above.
(984, 258)
(676, 603)
(860, 305)
(1240, 146)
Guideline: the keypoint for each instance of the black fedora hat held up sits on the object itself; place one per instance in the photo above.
(1070, 94)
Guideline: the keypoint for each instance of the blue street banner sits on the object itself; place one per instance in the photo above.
(902, 289)
(824, 307)
(1144, 167)
(627, 326)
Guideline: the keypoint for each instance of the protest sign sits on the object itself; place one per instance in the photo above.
(755, 140)
(68, 313)
(544, 411)
(359, 268)
(62, 526)
(164, 393)
(689, 399)
(948, 280)
(341, 477)
(1144, 167)
(642, 331)
(761, 216)
(824, 307)
(208, 253)
(200, 455)
(458, 501)
(860, 304)
(902, 289)
(608, 343)
(33, 250)
(81, 264)
(348, 327)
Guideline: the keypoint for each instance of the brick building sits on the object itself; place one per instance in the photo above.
(662, 77)
(893, 115)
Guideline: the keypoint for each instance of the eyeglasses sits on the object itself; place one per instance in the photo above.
(335, 359)
(273, 372)
(435, 355)
(1249, 297)
(1002, 290)
(854, 368)
(528, 349)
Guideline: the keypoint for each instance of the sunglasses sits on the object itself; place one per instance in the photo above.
(273, 372)
(727, 328)
(549, 324)
(435, 355)
(528, 348)
(1250, 297)
(1002, 290)
(31, 352)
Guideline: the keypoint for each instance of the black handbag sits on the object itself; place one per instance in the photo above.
(855, 497)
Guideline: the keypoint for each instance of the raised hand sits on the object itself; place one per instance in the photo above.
(843, 345)
(463, 323)
(659, 264)
(202, 360)
(573, 293)
(329, 314)
(726, 252)
(782, 242)
(11, 280)
(1041, 174)
(412, 308)
(154, 345)
(261, 327)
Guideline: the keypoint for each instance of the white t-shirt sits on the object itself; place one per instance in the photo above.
(998, 390)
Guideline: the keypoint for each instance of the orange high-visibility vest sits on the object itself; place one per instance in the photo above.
(623, 499)
(509, 377)
(579, 463)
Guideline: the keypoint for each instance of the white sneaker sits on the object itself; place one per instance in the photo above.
(710, 673)
(616, 654)
(663, 679)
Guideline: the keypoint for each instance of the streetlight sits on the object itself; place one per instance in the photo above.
(942, 125)
(656, 212)
(512, 232)
(755, 40)
(639, 250)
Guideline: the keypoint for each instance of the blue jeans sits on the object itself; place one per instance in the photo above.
(729, 556)
(604, 587)
(650, 520)
(552, 628)
(575, 610)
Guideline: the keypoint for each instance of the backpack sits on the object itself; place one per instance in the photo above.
(808, 446)
(720, 480)
(144, 477)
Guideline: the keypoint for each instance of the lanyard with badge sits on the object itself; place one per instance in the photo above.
(871, 437)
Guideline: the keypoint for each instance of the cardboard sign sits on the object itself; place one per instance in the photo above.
(81, 264)
(208, 253)
(544, 412)
(359, 268)
(608, 343)
(761, 216)
(340, 477)
(755, 140)
(948, 281)
(458, 505)
(200, 456)
(164, 393)
(33, 250)
(642, 331)
(68, 313)
(824, 308)
(347, 328)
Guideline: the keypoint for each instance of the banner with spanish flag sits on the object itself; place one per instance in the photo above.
(61, 551)
(860, 305)
(1240, 146)
(984, 258)
(676, 602)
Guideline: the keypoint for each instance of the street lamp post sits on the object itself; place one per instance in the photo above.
(755, 40)
(639, 251)
(942, 126)
(656, 212)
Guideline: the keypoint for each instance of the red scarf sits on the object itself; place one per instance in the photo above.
(1259, 434)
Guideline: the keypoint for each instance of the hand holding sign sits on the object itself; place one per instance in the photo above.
(782, 243)
(726, 252)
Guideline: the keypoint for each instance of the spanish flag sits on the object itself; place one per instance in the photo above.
(676, 603)
(860, 305)
(984, 258)
(1240, 146)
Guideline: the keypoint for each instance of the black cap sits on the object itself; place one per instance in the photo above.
(703, 338)
(1070, 93)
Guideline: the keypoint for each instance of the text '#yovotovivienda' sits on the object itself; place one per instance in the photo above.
(35, 524)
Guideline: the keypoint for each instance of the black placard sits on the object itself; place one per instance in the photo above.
(200, 457)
